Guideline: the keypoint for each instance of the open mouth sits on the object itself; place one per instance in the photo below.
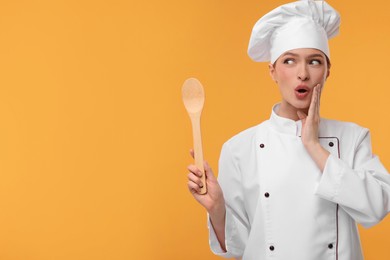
(302, 91)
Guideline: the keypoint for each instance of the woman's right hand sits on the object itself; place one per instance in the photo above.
(213, 200)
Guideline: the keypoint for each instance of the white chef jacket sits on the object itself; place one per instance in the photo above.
(279, 205)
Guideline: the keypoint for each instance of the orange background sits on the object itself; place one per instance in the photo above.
(94, 137)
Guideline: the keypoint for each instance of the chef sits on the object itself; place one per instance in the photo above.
(295, 186)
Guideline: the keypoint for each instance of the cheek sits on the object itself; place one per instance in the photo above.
(320, 76)
(284, 74)
(324, 75)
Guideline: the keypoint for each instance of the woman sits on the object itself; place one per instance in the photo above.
(294, 186)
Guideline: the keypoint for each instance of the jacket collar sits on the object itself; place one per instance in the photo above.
(284, 125)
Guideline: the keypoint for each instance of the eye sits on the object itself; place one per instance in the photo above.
(315, 62)
(288, 61)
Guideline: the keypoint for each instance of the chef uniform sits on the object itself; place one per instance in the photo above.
(279, 205)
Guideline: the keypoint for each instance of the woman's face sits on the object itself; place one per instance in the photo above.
(297, 72)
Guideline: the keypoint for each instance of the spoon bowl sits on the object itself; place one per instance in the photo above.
(193, 95)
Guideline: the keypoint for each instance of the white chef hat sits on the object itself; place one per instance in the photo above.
(301, 24)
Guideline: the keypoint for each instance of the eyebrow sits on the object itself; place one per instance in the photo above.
(310, 56)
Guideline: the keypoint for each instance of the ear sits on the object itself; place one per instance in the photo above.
(272, 72)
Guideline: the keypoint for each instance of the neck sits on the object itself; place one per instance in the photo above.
(288, 111)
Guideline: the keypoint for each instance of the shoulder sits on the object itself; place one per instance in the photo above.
(341, 125)
(342, 129)
(246, 137)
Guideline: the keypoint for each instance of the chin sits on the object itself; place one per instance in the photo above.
(301, 105)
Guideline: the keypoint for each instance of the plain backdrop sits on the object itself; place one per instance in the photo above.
(94, 137)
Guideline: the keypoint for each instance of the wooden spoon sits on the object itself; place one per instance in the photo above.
(193, 99)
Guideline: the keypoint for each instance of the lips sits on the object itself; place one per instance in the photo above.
(302, 91)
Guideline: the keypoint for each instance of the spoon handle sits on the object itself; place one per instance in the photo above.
(198, 150)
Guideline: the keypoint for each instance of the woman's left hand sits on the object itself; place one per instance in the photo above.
(311, 122)
(310, 129)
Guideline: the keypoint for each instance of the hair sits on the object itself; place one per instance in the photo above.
(328, 62)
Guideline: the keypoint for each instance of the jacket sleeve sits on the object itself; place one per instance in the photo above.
(236, 223)
(361, 189)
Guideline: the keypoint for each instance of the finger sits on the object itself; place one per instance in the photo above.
(302, 116)
(319, 98)
(319, 94)
(192, 153)
(208, 171)
(317, 110)
(313, 105)
(195, 170)
(193, 187)
(195, 179)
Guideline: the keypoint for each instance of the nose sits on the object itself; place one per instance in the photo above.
(303, 73)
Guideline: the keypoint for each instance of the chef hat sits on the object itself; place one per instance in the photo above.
(301, 24)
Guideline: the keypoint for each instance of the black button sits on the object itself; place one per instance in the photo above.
(272, 248)
(266, 194)
(330, 246)
(331, 144)
(261, 145)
